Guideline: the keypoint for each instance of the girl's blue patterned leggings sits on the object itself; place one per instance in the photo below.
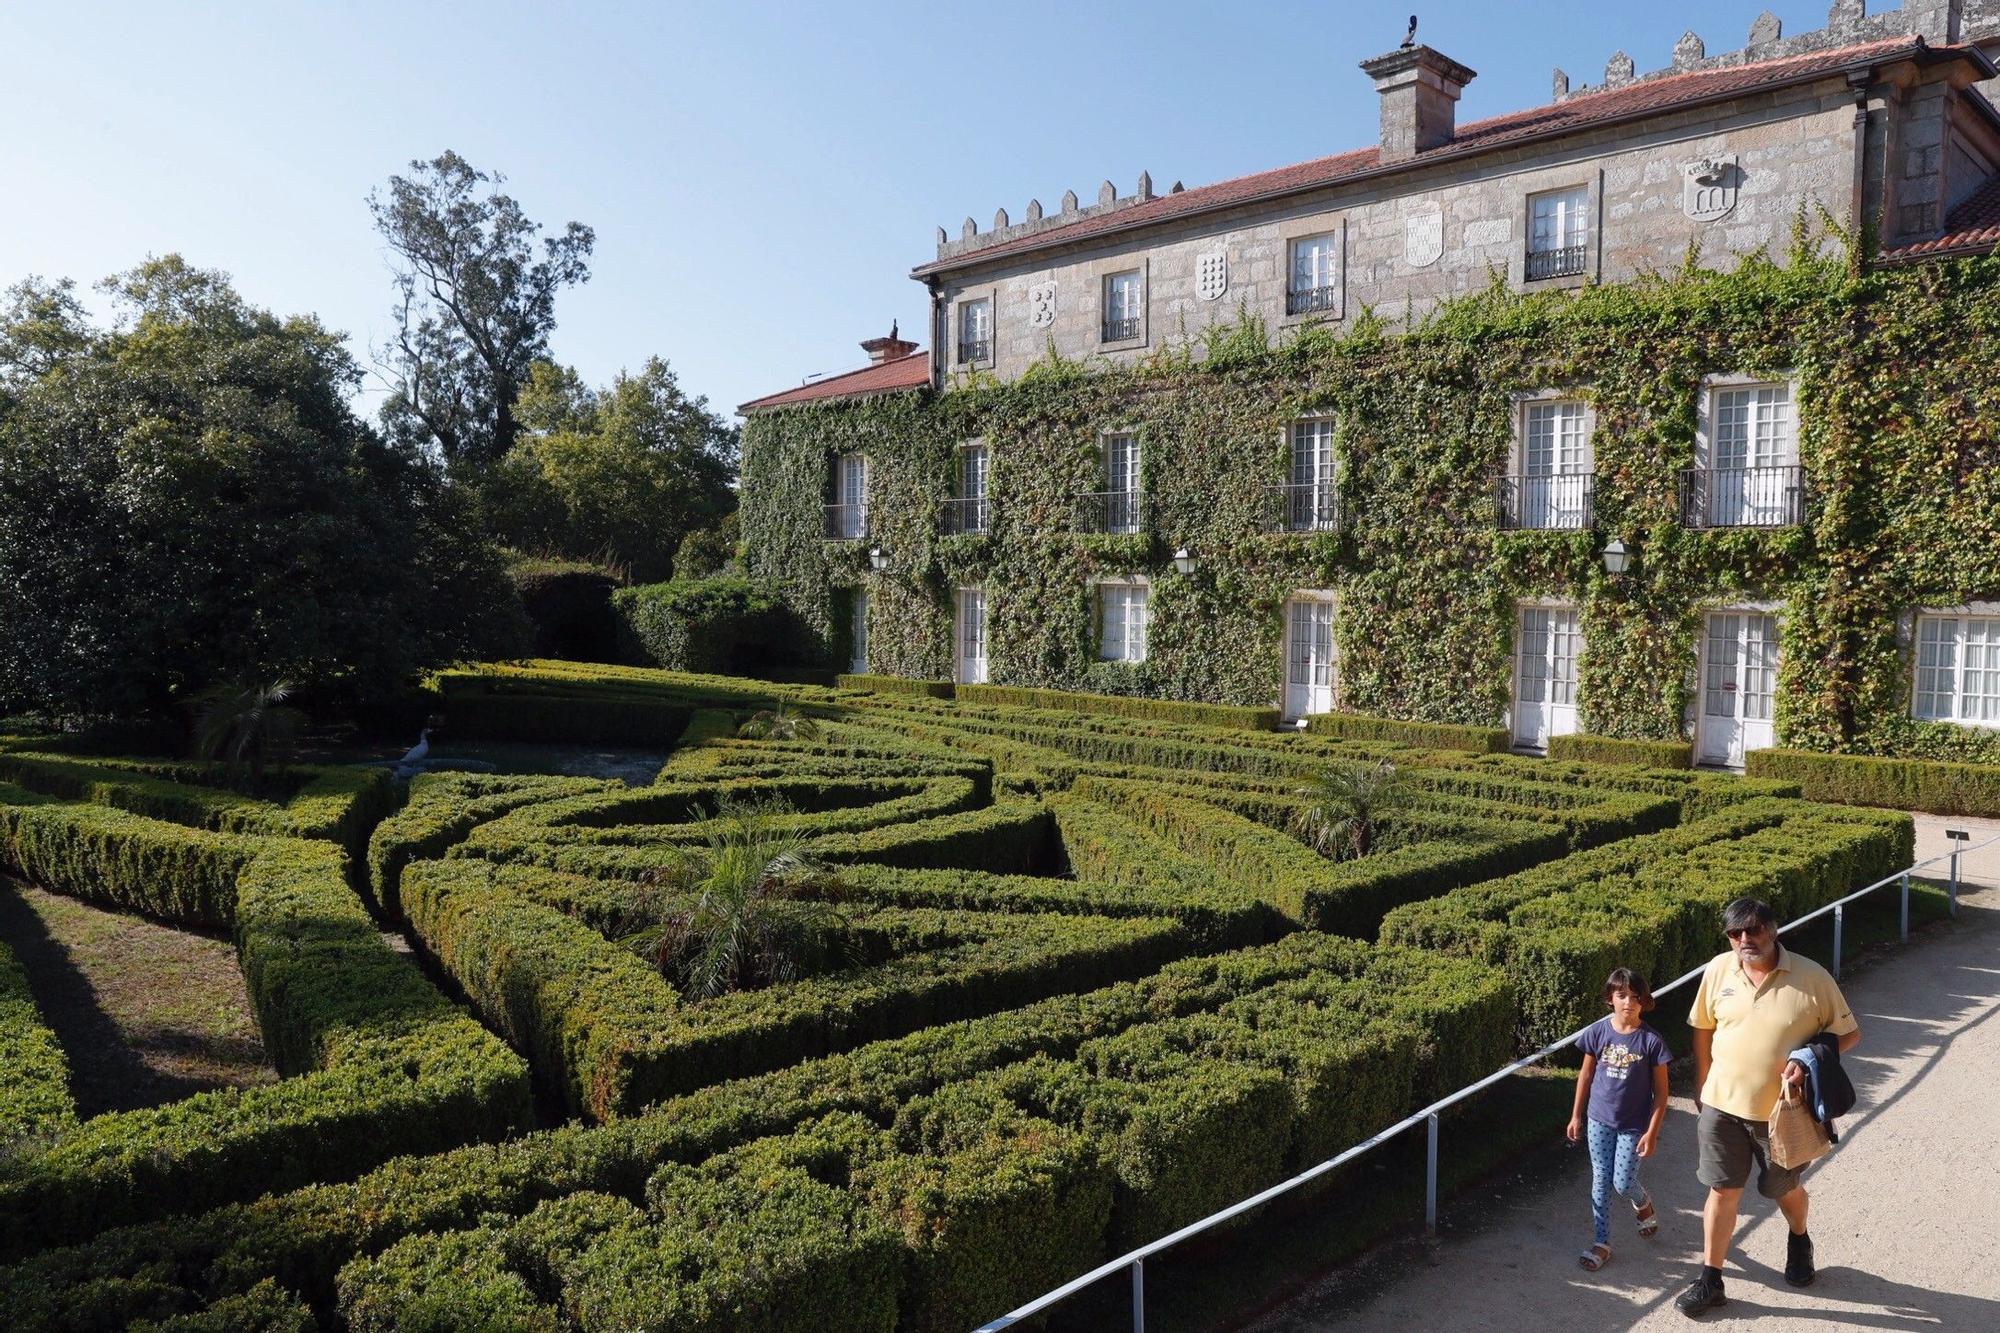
(1614, 1168)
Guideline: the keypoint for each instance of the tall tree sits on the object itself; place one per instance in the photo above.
(475, 303)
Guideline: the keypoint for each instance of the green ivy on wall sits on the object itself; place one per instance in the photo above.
(1898, 386)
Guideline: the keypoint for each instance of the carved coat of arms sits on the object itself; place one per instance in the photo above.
(1709, 188)
(1423, 239)
(1042, 305)
(1212, 275)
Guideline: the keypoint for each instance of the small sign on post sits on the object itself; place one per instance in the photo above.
(1959, 837)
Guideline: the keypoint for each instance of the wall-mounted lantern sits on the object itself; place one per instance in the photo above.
(1184, 561)
(1617, 560)
(878, 559)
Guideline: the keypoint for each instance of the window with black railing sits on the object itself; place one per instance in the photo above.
(1311, 300)
(1305, 507)
(1118, 330)
(1564, 261)
(1560, 500)
(974, 350)
(967, 514)
(1110, 511)
(846, 522)
(1743, 497)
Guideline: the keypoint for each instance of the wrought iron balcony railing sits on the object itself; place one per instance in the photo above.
(1118, 330)
(1305, 507)
(846, 523)
(968, 514)
(974, 350)
(1560, 501)
(1309, 300)
(1744, 497)
(1111, 511)
(1562, 262)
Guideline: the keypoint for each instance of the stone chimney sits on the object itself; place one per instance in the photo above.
(1420, 91)
(891, 348)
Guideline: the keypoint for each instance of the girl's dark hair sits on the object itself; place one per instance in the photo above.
(1624, 978)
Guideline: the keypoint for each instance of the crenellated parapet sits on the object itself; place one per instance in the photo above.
(1848, 22)
(970, 238)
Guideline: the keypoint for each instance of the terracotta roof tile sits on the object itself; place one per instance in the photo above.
(1582, 111)
(908, 372)
(1973, 226)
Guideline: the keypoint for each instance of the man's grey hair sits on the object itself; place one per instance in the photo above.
(1746, 912)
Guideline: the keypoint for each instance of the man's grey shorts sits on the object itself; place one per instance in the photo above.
(1728, 1144)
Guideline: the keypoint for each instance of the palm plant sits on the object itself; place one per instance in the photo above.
(243, 724)
(1344, 807)
(782, 723)
(756, 910)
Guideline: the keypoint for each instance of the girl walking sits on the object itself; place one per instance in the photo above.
(1621, 1100)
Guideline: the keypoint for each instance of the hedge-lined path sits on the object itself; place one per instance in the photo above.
(1902, 1211)
(146, 1014)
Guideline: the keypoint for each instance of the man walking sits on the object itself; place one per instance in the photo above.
(1757, 1003)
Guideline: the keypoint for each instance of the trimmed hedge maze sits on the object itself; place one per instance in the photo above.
(1090, 986)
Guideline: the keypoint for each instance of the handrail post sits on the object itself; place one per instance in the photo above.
(1904, 924)
(1138, 1296)
(1839, 916)
(1431, 1177)
(1951, 894)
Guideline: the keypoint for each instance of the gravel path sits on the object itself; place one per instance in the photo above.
(1902, 1211)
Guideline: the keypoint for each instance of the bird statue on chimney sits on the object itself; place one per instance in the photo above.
(1410, 37)
(892, 330)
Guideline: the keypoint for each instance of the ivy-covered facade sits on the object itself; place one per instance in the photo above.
(1793, 450)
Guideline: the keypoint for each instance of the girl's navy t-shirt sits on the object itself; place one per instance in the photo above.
(1621, 1089)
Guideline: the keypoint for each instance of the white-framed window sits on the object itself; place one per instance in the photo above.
(975, 330)
(971, 636)
(1122, 483)
(1552, 482)
(1314, 284)
(1311, 665)
(969, 509)
(1311, 486)
(1124, 305)
(1122, 613)
(1958, 668)
(858, 657)
(1747, 471)
(1558, 232)
(847, 513)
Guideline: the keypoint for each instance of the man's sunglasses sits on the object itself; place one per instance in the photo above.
(1745, 932)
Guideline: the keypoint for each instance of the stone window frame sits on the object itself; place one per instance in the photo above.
(1302, 229)
(1098, 274)
(1906, 642)
(1592, 185)
(990, 295)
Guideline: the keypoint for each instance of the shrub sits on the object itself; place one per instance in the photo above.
(568, 604)
(501, 710)
(34, 1096)
(1612, 750)
(716, 624)
(1437, 735)
(443, 808)
(1118, 705)
(1899, 784)
(935, 689)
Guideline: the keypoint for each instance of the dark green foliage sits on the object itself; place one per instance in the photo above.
(1436, 735)
(568, 603)
(34, 1096)
(1612, 750)
(443, 808)
(505, 710)
(706, 552)
(935, 689)
(1900, 784)
(723, 624)
(1159, 710)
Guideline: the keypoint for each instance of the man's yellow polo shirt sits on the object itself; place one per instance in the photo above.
(1756, 1027)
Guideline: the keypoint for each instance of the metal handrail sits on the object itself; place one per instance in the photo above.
(1311, 300)
(1119, 330)
(1136, 1259)
(967, 514)
(1560, 500)
(1563, 261)
(1743, 497)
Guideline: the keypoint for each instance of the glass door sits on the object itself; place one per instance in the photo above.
(1738, 686)
(1309, 666)
(971, 636)
(1546, 644)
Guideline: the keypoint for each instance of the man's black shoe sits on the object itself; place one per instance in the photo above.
(1799, 1270)
(1704, 1293)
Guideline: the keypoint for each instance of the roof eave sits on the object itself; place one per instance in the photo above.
(1927, 55)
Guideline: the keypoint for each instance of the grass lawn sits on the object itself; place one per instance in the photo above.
(145, 1013)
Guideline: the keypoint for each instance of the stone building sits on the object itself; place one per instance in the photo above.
(1881, 128)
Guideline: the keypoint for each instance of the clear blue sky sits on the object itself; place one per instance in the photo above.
(761, 176)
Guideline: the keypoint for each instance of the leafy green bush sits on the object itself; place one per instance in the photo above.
(568, 603)
(34, 1096)
(1613, 750)
(1120, 705)
(1899, 784)
(717, 624)
(502, 710)
(935, 689)
(1438, 735)
(443, 808)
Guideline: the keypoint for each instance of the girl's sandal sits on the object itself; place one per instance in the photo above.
(1594, 1258)
(1649, 1221)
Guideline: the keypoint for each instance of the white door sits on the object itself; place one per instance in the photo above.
(1309, 669)
(1545, 675)
(858, 662)
(1555, 466)
(1739, 680)
(971, 636)
(1753, 457)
